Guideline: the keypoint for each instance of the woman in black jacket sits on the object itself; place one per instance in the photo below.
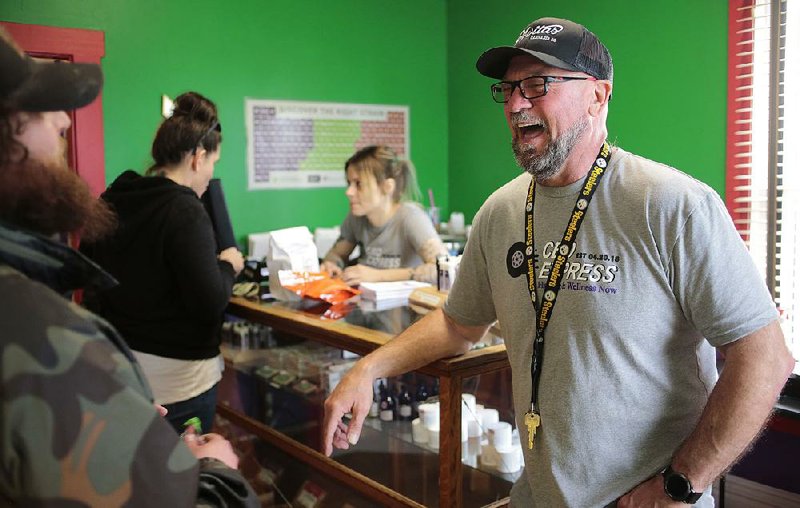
(173, 284)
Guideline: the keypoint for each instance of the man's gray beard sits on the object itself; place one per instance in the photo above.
(546, 165)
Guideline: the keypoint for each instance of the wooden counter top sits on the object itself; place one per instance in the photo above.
(358, 339)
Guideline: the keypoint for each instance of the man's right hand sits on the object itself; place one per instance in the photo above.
(352, 395)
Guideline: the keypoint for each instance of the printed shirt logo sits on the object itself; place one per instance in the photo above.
(377, 258)
(593, 272)
(517, 259)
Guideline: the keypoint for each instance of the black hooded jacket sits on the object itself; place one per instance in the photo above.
(172, 288)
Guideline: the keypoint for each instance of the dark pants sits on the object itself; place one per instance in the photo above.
(202, 406)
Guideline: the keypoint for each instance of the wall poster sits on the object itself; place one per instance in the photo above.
(294, 144)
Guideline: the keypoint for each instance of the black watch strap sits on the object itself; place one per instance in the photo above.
(678, 487)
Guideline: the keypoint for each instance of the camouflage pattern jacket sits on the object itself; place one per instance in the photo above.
(78, 423)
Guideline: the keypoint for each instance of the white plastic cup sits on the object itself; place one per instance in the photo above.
(433, 437)
(429, 413)
(508, 459)
(474, 428)
(474, 445)
(489, 416)
(418, 431)
(471, 404)
(488, 455)
(456, 223)
(470, 452)
(500, 434)
(467, 457)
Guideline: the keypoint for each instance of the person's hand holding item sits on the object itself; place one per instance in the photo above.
(332, 268)
(356, 274)
(233, 256)
(211, 445)
(161, 410)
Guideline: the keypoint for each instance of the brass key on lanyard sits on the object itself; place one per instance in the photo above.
(532, 421)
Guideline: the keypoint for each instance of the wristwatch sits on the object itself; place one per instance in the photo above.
(678, 487)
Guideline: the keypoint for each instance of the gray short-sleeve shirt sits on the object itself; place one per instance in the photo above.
(658, 277)
(395, 244)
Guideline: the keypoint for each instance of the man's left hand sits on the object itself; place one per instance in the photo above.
(648, 494)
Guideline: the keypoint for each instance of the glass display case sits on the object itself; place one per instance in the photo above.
(280, 480)
(439, 436)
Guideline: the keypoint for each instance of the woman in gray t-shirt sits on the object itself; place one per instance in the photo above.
(397, 239)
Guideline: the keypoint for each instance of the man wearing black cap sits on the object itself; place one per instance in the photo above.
(79, 426)
(612, 280)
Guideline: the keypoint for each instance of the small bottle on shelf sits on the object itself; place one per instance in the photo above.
(420, 397)
(374, 409)
(435, 388)
(387, 404)
(404, 409)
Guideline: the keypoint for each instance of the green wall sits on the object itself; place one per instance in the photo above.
(669, 95)
(670, 76)
(360, 51)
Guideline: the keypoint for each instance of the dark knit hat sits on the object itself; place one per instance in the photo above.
(29, 85)
(557, 42)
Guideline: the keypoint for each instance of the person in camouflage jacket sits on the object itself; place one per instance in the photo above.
(78, 425)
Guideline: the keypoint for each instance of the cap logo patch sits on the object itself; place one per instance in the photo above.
(539, 32)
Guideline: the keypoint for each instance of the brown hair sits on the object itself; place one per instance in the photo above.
(193, 124)
(380, 162)
(11, 150)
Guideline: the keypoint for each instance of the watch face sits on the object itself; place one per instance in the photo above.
(677, 486)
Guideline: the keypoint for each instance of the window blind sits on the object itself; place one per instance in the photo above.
(762, 192)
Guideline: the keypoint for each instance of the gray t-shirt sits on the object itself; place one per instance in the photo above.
(658, 278)
(396, 244)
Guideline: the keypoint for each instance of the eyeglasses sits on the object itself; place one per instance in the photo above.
(216, 126)
(531, 87)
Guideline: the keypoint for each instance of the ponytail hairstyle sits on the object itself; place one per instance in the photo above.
(194, 124)
(380, 162)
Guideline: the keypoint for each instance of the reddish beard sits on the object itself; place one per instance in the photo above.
(50, 198)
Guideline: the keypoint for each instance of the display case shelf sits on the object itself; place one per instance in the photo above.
(386, 466)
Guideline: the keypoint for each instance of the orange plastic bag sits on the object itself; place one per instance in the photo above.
(317, 285)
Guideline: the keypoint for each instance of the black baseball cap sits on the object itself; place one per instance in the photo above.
(29, 85)
(557, 42)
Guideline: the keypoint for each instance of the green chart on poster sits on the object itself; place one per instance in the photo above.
(297, 144)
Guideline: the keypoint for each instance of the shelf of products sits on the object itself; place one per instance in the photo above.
(277, 378)
(279, 480)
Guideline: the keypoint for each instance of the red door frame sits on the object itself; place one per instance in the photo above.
(75, 45)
